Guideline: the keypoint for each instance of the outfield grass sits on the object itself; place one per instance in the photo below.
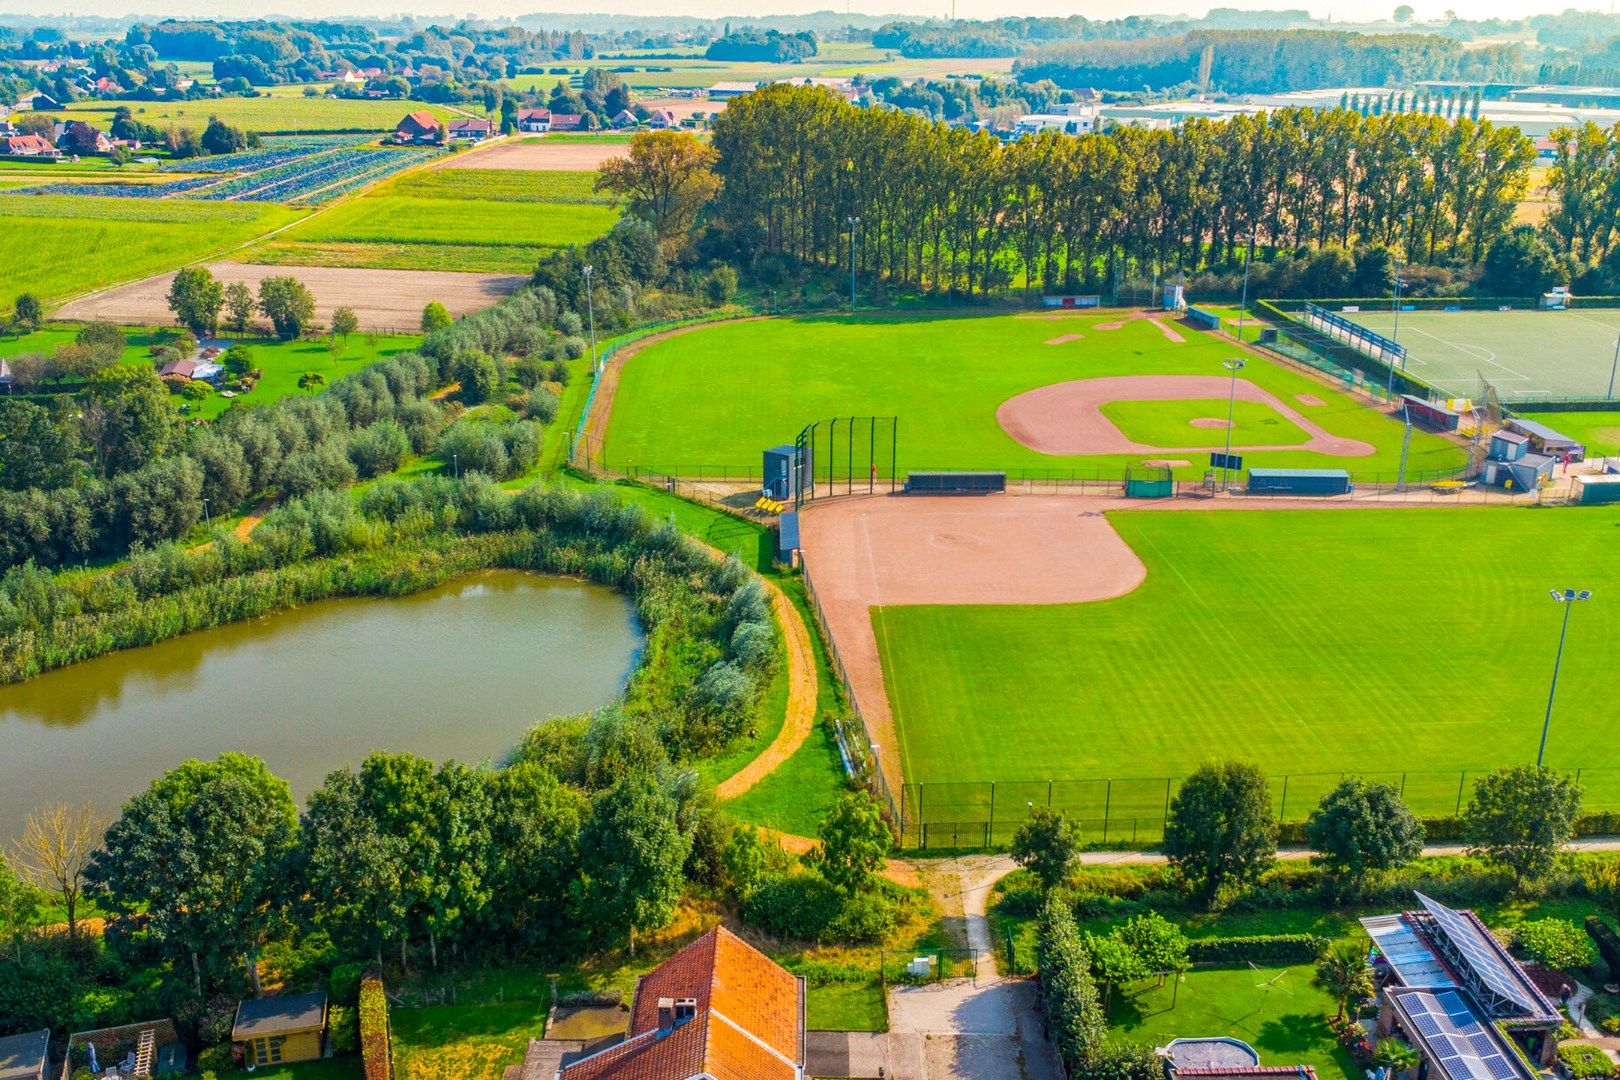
(56, 246)
(266, 115)
(1170, 423)
(1598, 431)
(714, 398)
(1286, 1024)
(474, 220)
(1407, 644)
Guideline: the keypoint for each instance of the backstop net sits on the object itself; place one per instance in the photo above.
(847, 455)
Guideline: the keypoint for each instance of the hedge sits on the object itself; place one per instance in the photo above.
(1607, 941)
(376, 1045)
(1585, 1062)
(1260, 949)
(1452, 829)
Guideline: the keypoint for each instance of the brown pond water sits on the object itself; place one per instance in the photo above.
(459, 671)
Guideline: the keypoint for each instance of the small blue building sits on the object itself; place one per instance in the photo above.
(1298, 482)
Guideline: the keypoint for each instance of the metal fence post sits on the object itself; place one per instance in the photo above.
(1282, 809)
(1108, 802)
(1461, 779)
(990, 829)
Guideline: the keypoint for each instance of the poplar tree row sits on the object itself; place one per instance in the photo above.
(951, 209)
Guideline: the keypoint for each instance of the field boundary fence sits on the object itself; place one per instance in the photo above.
(861, 753)
(1130, 813)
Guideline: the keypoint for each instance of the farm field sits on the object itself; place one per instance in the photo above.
(833, 59)
(479, 221)
(1416, 643)
(385, 300)
(115, 240)
(1599, 431)
(266, 115)
(580, 154)
(713, 398)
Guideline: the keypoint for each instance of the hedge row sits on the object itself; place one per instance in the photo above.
(1260, 949)
(1451, 829)
(376, 1044)
(1607, 941)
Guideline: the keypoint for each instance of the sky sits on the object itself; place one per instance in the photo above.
(1098, 9)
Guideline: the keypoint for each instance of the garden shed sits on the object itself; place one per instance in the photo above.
(290, 1027)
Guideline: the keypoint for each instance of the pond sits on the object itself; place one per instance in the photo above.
(458, 671)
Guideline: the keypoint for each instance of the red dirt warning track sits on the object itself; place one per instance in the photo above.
(1066, 418)
(871, 552)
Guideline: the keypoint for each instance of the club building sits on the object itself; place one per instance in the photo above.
(1449, 988)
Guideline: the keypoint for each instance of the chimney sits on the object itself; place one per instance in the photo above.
(666, 1013)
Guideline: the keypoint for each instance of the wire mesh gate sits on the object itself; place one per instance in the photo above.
(846, 455)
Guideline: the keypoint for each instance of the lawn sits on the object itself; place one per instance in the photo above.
(342, 1068)
(714, 398)
(1405, 643)
(284, 362)
(448, 219)
(1599, 431)
(1273, 1009)
(464, 1042)
(846, 1007)
(113, 240)
(266, 115)
(1170, 423)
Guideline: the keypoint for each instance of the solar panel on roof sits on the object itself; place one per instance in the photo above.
(1457, 1038)
(1480, 954)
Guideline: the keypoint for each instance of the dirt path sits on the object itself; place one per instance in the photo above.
(596, 424)
(1067, 418)
(251, 519)
(801, 703)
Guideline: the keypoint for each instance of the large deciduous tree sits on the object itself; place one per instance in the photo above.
(196, 297)
(288, 304)
(204, 853)
(128, 419)
(1048, 846)
(1361, 826)
(1221, 829)
(632, 854)
(1521, 817)
(55, 851)
(855, 841)
(667, 179)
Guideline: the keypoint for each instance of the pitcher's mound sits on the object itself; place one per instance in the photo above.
(1209, 422)
(1063, 339)
(1309, 399)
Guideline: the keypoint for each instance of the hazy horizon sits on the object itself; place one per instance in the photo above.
(967, 9)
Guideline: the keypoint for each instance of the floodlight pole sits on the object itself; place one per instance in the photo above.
(1614, 367)
(1569, 598)
(590, 308)
(1234, 365)
(1394, 335)
(1243, 305)
(854, 223)
(1406, 445)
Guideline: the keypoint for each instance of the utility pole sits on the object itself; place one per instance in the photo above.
(1406, 445)
(590, 307)
(1569, 598)
(1614, 367)
(854, 223)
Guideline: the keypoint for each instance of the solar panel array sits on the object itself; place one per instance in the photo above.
(1457, 1038)
(1482, 955)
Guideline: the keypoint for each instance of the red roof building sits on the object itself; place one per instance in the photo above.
(566, 121)
(719, 1009)
(534, 120)
(471, 130)
(28, 146)
(419, 127)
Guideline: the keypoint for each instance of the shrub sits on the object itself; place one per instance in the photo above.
(800, 906)
(376, 1049)
(219, 1059)
(1259, 949)
(1585, 1062)
(1555, 943)
(1606, 940)
(343, 985)
(342, 1029)
(1073, 1011)
(541, 404)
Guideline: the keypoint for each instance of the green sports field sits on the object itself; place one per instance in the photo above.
(1526, 355)
(1172, 423)
(1599, 432)
(714, 398)
(1416, 642)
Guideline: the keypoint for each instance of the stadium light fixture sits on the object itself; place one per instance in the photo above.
(1234, 365)
(1569, 598)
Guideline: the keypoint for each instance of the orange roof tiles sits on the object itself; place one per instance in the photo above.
(748, 1023)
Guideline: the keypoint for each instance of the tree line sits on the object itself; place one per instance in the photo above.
(956, 211)
(1266, 61)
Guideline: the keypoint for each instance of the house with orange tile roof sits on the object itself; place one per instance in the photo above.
(717, 1010)
(417, 127)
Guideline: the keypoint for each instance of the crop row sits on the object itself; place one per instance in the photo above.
(124, 191)
(272, 153)
(389, 163)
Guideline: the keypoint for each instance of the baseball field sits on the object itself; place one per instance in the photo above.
(1409, 643)
(1032, 392)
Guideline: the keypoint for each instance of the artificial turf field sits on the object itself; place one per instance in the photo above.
(713, 399)
(1528, 356)
(1387, 642)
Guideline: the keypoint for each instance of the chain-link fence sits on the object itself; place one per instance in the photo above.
(1131, 812)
